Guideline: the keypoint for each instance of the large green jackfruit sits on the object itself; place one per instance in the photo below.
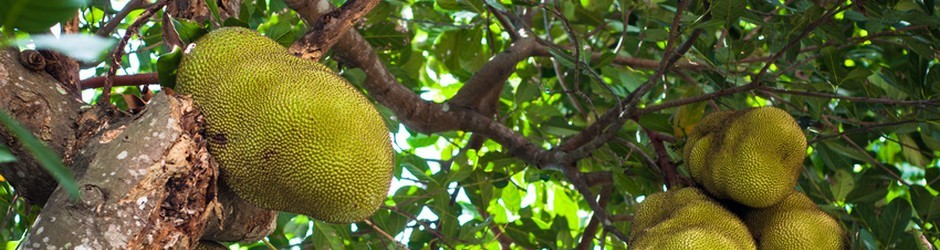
(751, 156)
(794, 223)
(686, 219)
(289, 134)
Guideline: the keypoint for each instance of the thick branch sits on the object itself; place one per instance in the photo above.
(330, 28)
(144, 181)
(492, 76)
(47, 109)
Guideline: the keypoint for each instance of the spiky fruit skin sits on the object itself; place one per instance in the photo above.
(794, 223)
(289, 134)
(686, 219)
(751, 156)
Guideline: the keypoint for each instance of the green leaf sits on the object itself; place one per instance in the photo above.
(926, 204)
(6, 155)
(727, 10)
(911, 151)
(188, 31)
(35, 16)
(419, 140)
(326, 236)
(46, 158)
(297, 226)
(104, 5)
(387, 36)
(417, 167)
(166, 68)
(892, 222)
(214, 9)
(842, 184)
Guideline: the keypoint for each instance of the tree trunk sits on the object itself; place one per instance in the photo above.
(146, 181)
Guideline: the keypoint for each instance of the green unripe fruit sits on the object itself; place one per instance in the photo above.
(751, 156)
(686, 219)
(289, 134)
(794, 223)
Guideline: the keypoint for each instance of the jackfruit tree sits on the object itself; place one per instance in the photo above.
(311, 124)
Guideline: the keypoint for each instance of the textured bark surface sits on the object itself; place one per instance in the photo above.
(44, 107)
(240, 221)
(198, 11)
(146, 181)
(147, 184)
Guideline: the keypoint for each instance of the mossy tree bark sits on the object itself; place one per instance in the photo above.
(145, 180)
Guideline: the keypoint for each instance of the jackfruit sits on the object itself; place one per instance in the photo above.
(686, 219)
(794, 223)
(289, 134)
(751, 156)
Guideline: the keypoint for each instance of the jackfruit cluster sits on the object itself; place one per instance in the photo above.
(794, 223)
(751, 156)
(687, 219)
(289, 134)
(748, 160)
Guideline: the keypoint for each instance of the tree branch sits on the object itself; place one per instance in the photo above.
(574, 176)
(598, 133)
(122, 80)
(118, 51)
(874, 161)
(105, 31)
(887, 101)
(383, 233)
(812, 26)
(859, 130)
(329, 28)
(587, 237)
(491, 77)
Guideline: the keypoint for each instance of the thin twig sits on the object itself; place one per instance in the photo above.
(812, 26)
(859, 130)
(118, 51)
(574, 176)
(587, 236)
(887, 101)
(383, 233)
(634, 148)
(116, 20)
(874, 161)
(424, 224)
